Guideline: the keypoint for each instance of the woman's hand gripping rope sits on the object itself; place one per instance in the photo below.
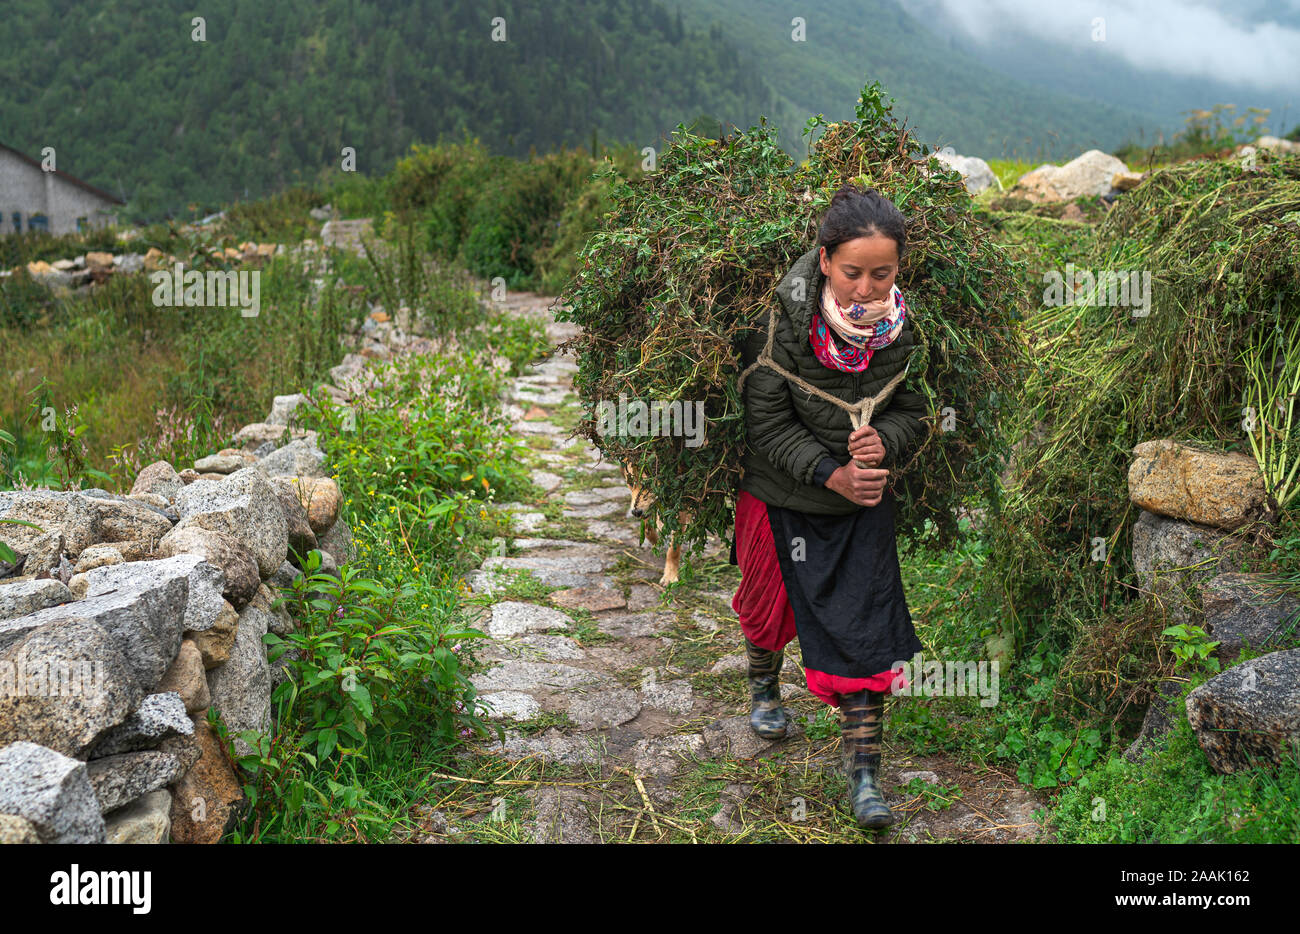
(860, 480)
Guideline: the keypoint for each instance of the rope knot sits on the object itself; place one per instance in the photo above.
(860, 412)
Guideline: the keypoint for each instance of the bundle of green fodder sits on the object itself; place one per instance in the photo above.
(1220, 243)
(687, 262)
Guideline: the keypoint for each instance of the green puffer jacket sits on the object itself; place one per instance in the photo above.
(795, 440)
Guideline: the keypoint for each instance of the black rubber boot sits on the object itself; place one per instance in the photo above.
(767, 716)
(860, 757)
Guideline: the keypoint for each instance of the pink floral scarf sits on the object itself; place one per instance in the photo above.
(850, 352)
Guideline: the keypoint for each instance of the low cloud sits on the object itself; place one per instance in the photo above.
(1179, 37)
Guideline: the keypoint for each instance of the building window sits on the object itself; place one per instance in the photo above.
(38, 222)
(82, 224)
(18, 222)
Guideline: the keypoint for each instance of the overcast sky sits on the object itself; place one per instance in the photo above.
(1249, 42)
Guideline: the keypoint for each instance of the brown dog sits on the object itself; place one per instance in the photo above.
(642, 500)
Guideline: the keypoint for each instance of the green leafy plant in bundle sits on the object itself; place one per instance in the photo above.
(1221, 257)
(965, 304)
(685, 266)
(685, 252)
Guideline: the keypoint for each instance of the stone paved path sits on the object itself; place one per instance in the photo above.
(626, 709)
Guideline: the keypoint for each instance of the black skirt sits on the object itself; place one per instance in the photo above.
(845, 587)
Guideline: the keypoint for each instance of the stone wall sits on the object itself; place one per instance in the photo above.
(1201, 515)
(127, 617)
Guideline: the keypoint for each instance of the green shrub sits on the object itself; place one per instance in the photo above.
(517, 213)
(371, 672)
(439, 185)
(19, 249)
(557, 262)
(24, 301)
(355, 195)
(281, 218)
(1171, 795)
(1206, 131)
(493, 213)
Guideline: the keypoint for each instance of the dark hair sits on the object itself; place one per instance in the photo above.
(855, 213)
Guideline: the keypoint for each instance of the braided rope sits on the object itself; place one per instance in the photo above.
(860, 413)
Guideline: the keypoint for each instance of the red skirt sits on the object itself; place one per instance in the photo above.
(766, 617)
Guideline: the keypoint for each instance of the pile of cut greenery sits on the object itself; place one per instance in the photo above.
(686, 264)
(1214, 362)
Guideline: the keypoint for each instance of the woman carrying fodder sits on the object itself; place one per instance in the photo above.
(677, 295)
(823, 564)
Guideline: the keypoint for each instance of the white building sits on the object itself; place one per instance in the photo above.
(33, 199)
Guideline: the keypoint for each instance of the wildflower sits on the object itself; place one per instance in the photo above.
(456, 647)
(464, 733)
